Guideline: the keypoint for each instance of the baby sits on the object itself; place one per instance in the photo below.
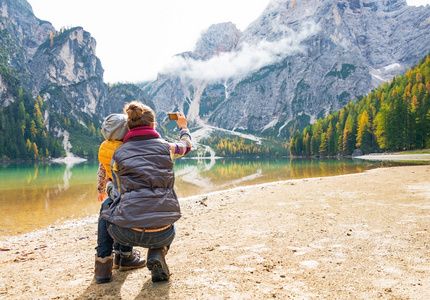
(114, 129)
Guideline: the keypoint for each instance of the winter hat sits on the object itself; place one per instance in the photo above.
(114, 127)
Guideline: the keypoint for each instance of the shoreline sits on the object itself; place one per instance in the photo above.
(355, 236)
(81, 221)
(395, 157)
(371, 156)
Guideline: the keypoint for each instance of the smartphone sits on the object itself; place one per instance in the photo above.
(173, 116)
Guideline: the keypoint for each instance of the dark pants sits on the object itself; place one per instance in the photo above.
(127, 238)
(150, 240)
(104, 240)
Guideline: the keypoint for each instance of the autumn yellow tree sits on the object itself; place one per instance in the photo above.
(364, 134)
(348, 136)
(324, 143)
(51, 38)
(35, 151)
(380, 124)
(33, 128)
(93, 129)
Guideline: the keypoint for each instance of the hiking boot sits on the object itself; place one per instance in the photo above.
(132, 261)
(116, 260)
(157, 264)
(103, 269)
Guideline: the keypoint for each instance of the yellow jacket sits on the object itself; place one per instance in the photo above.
(106, 150)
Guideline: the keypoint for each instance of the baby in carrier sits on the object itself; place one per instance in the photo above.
(114, 129)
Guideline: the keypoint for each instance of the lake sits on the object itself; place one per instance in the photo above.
(38, 195)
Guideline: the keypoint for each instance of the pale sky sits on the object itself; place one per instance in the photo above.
(136, 38)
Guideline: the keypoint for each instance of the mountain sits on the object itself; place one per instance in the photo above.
(21, 34)
(68, 75)
(297, 62)
(62, 68)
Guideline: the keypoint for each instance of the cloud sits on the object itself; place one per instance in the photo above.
(249, 58)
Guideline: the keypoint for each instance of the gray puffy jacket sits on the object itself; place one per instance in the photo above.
(146, 178)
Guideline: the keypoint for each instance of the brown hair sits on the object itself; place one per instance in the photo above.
(138, 114)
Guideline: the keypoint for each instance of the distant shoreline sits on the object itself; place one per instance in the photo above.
(407, 155)
(395, 156)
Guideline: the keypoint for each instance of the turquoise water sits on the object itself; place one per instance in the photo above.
(37, 195)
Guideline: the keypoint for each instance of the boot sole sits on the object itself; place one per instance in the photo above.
(157, 271)
(101, 280)
(126, 268)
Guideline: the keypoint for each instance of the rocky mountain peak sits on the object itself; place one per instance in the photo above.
(68, 58)
(300, 59)
(61, 67)
(375, 5)
(29, 32)
(217, 38)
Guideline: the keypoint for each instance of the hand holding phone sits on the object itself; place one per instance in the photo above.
(173, 116)
(179, 117)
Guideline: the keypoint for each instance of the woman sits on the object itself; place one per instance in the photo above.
(144, 213)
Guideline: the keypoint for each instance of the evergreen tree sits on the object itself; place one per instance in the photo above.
(381, 125)
(324, 144)
(332, 139)
(307, 144)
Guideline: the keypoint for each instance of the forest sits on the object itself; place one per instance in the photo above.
(393, 117)
(23, 134)
(233, 146)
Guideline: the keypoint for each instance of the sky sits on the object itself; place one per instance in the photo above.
(135, 38)
(138, 38)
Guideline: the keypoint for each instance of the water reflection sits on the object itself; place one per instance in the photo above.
(34, 196)
(200, 176)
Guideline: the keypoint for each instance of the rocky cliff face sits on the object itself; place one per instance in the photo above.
(61, 66)
(25, 29)
(299, 59)
(123, 93)
(181, 85)
(21, 34)
(67, 74)
(216, 40)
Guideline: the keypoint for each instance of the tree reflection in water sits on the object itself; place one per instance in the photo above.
(37, 195)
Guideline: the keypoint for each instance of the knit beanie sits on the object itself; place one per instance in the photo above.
(114, 127)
